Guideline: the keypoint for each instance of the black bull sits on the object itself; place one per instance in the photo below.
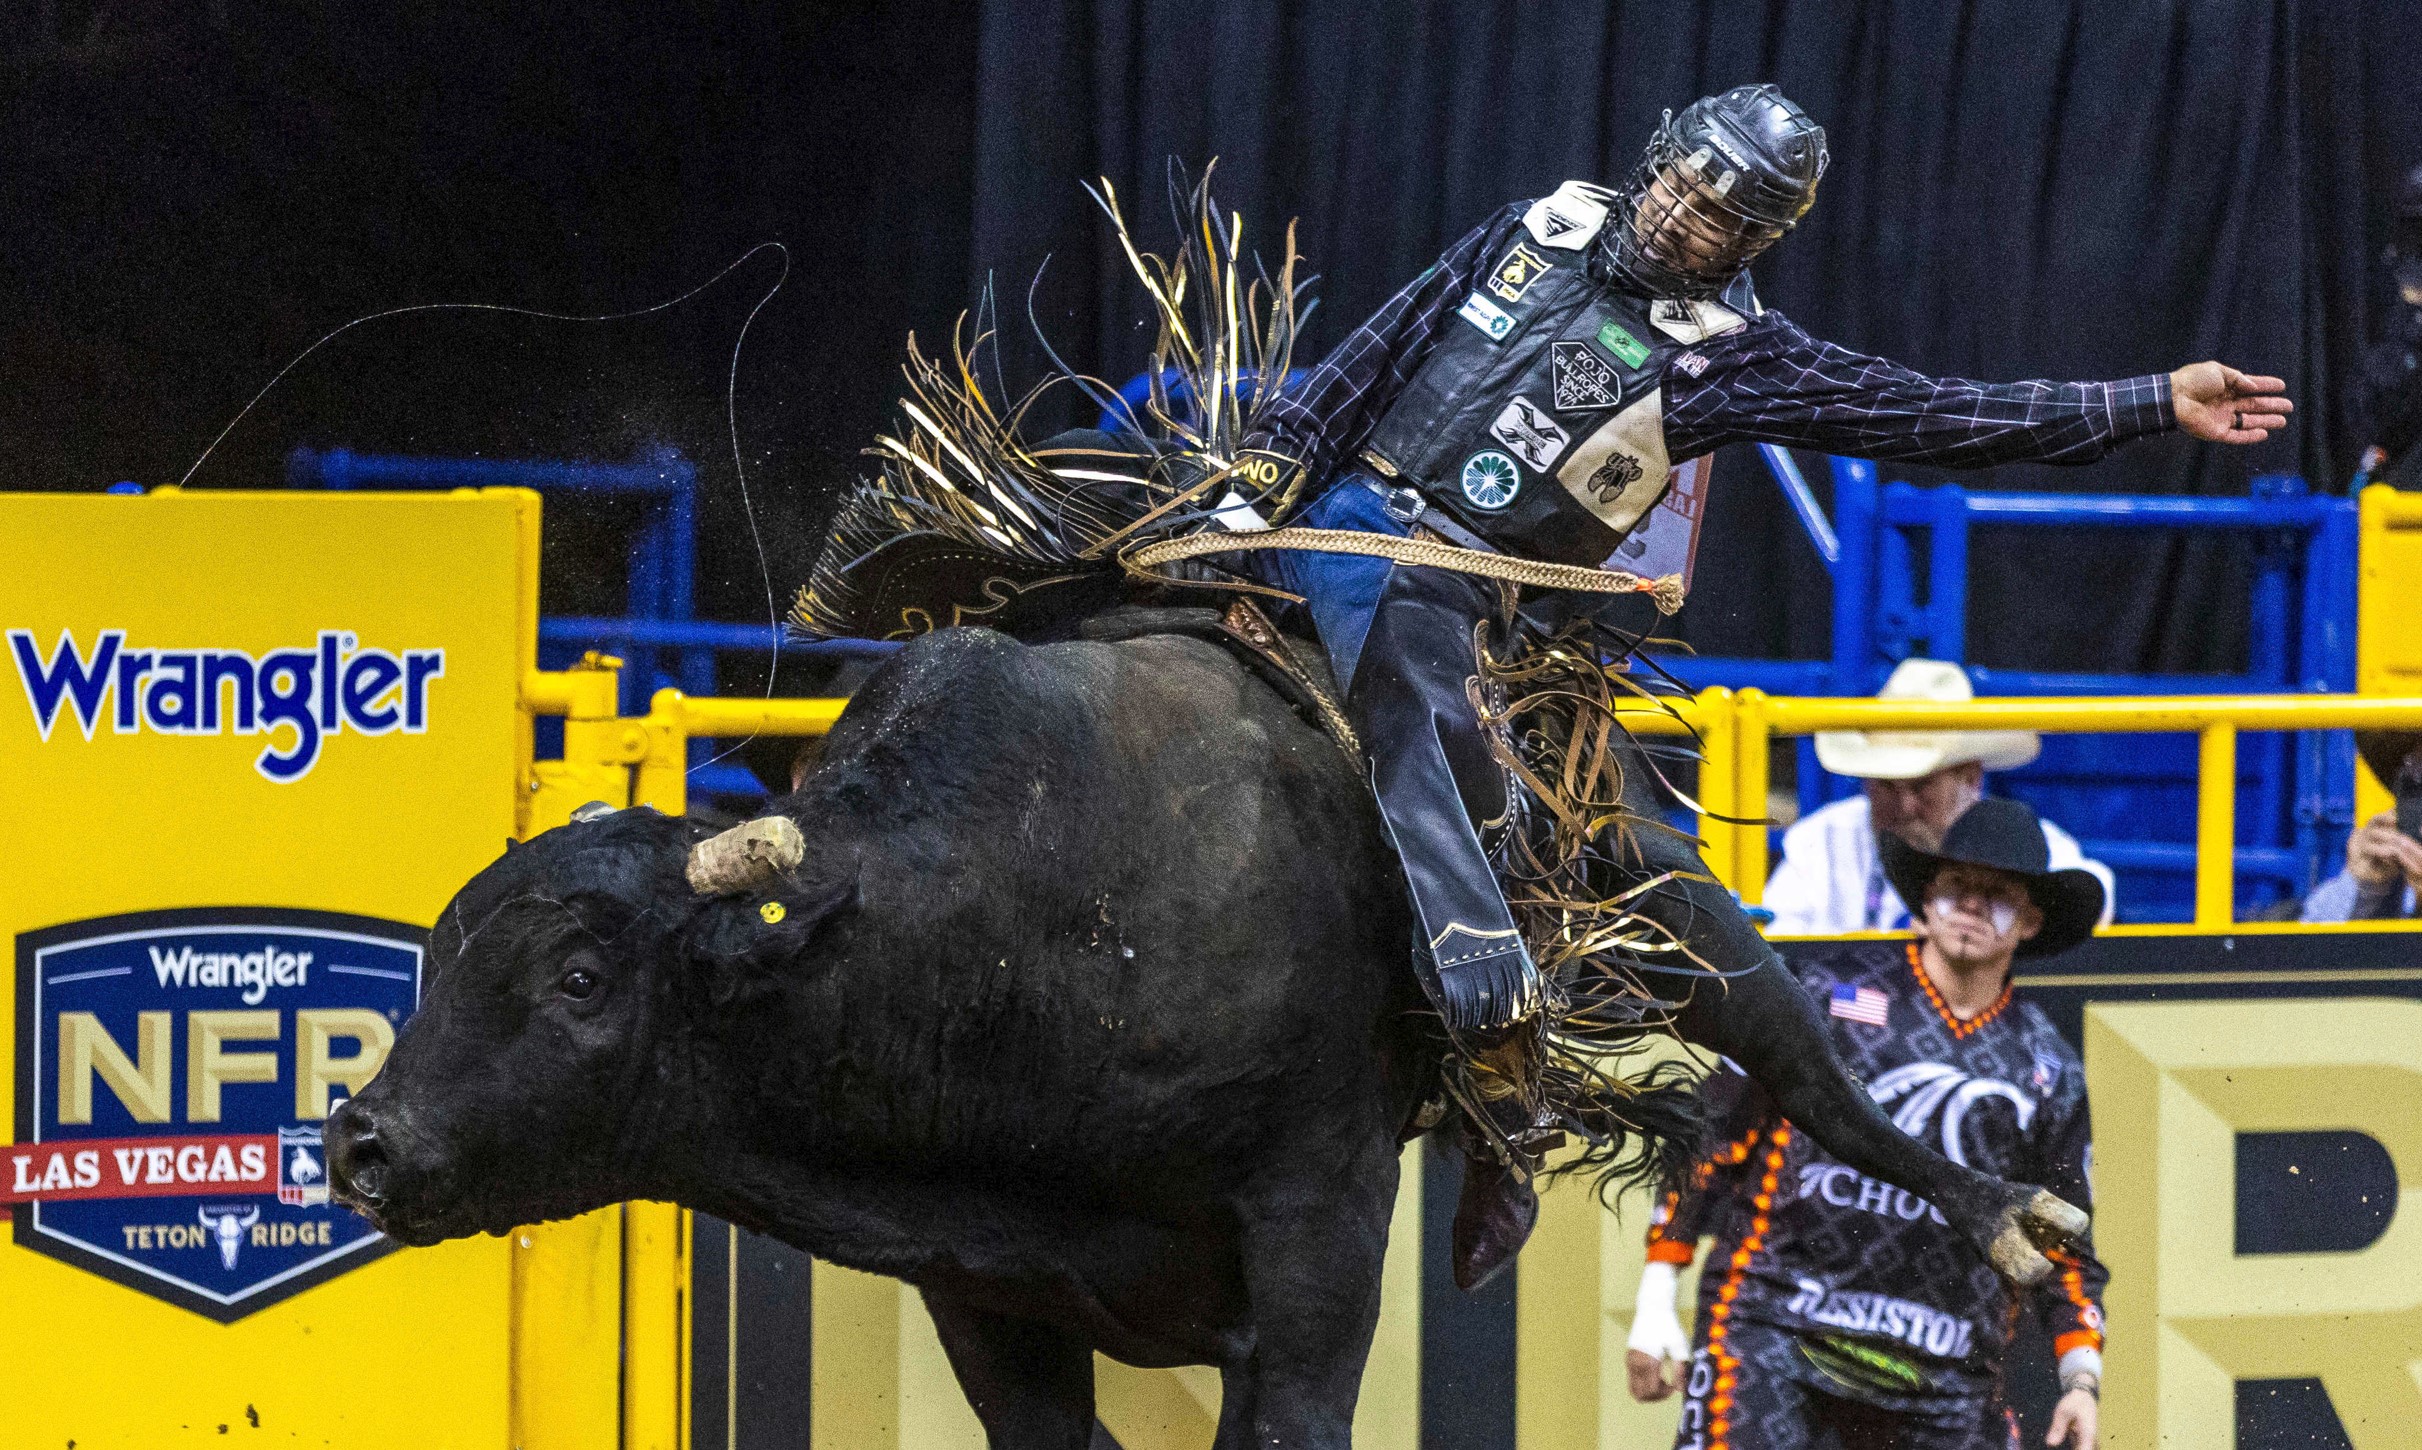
(1087, 1013)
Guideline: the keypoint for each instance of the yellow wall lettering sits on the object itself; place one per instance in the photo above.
(2173, 1083)
(86, 1048)
(316, 1066)
(209, 1066)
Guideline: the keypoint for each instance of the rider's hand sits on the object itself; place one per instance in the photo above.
(2219, 404)
(2379, 854)
(1658, 1348)
(2076, 1419)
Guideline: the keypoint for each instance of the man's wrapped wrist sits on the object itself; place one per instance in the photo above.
(2081, 1369)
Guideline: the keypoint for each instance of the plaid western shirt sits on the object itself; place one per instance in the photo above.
(1768, 382)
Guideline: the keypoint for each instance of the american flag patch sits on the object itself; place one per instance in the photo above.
(1860, 1004)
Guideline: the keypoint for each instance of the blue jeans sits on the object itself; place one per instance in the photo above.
(1400, 642)
(1341, 590)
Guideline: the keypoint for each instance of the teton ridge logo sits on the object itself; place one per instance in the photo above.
(173, 1072)
(1490, 480)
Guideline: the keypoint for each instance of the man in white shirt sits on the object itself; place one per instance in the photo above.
(1917, 783)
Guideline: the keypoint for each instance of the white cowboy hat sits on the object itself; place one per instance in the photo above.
(1908, 754)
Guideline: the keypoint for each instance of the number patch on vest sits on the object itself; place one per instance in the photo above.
(1490, 480)
(1529, 433)
(1585, 380)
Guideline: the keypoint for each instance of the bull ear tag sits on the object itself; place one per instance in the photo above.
(772, 912)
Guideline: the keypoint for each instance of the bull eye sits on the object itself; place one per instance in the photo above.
(577, 984)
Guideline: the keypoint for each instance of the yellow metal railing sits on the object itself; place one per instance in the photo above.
(2388, 647)
(2215, 719)
(642, 760)
(674, 719)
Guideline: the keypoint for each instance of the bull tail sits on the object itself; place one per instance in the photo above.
(1639, 1132)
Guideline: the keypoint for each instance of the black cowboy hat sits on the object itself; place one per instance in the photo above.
(2005, 836)
(2385, 751)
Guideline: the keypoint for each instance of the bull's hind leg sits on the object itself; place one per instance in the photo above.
(1030, 1383)
(1313, 1248)
(1236, 1397)
(1760, 1018)
(1763, 1021)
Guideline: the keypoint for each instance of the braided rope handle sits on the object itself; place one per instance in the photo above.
(1424, 553)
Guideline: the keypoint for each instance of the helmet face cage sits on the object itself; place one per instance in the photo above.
(1706, 199)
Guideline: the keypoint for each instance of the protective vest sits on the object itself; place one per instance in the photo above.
(1537, 421)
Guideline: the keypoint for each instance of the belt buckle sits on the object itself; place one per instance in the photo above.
(1404, 505)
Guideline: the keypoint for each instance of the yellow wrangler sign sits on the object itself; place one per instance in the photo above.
(251, 744)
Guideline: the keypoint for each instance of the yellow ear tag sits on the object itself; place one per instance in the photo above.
(772, 911)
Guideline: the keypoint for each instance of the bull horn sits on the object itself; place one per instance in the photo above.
(592, 811)
(747, 855)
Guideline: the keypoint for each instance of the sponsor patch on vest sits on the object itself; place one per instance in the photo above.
(1487, 316)
(1584, 379)
(1569, 218)
(1618, 469)
(1622, 344)
(174, 1069)
(1517, 272)
(1529, 433)
(1490, 480)
(1608, 480)
(1686, 321)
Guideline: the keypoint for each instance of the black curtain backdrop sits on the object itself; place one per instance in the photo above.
(2066, 190)
(192, 193)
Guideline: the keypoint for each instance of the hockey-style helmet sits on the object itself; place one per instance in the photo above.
(1718, 184)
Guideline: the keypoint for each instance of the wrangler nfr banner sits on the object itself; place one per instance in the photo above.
(251, 744)
(128, 1168)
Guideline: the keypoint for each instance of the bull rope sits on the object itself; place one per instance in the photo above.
(1423, 553)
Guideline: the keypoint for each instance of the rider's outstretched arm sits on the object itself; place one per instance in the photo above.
(1770, 382)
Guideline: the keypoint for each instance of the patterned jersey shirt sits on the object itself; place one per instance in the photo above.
(1766, 382)
(1889, 1302)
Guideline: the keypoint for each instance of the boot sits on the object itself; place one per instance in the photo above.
(1506, 1133)
(1494, 1217)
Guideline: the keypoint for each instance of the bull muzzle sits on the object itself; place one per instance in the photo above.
(746, 856)
(358, 1166)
